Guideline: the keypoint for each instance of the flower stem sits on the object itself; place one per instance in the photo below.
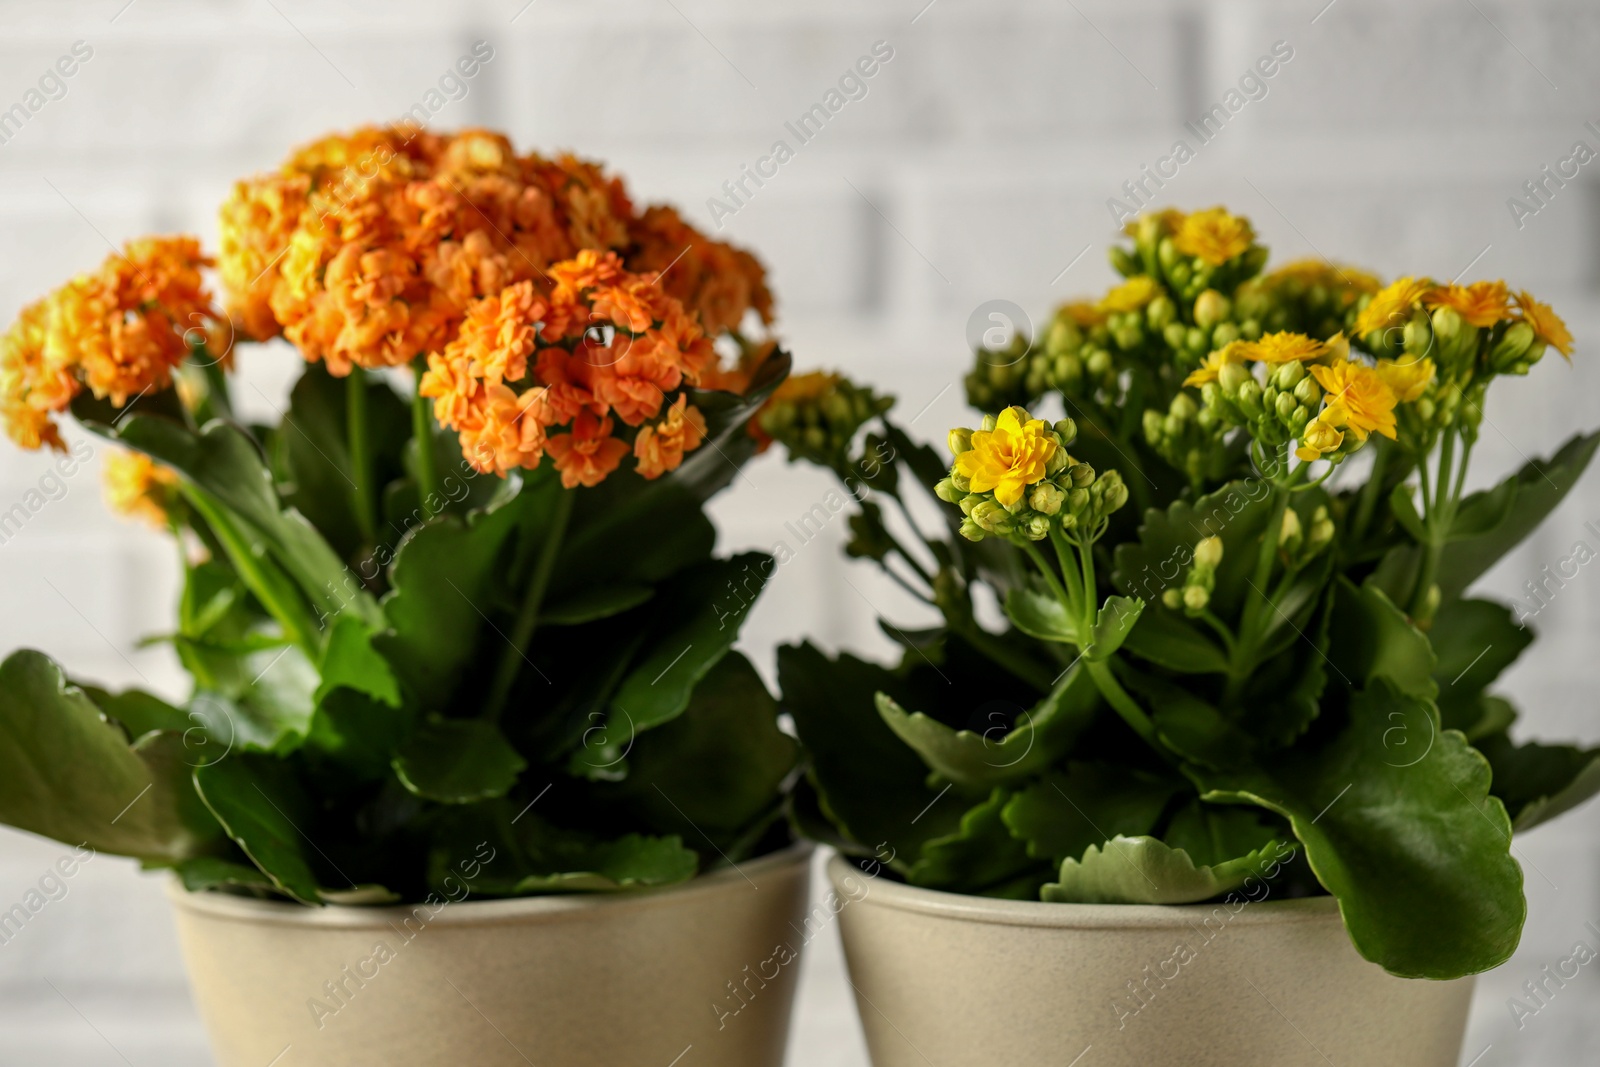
(427, 465)
(360, 448)
(528, 616)
(1370, 492)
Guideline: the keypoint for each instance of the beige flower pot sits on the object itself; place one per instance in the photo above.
(962, 981)
(570, 981)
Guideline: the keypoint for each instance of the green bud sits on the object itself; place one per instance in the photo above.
(1161, 312)
(1447, 323)
(1115, 497)
(1046, 498)
(946, 490)
(1077, 500)
(1180, 273)
(971, 530)
(989, 514)
(1290, 535)
(1250, 329)
(1183, 406)
(1174, 333)
(1232, 377)
(1535, 353)
(1288, 375)
(968, 502)
(1197, 340)
(1418, 334)
(1308, 392)
(1059, 461)
(1285, 406)
(1518, 338)
(1224, 334)
(1211, 308)
(1172, 598)
(1082, 475)
(960, 440)
(1123, 262)
(1208, 553)
(1250, 398)
(1099, 364)
(1063, 337)
(1036, 528)
(988, 423)
(1153, 423)
(1195, 598)
(1067, 430)
(1167, 254)
(961, 481)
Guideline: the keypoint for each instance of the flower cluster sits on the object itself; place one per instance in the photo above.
(369, 249)
(529, 375)
(139, 487)
(1014, 478)
(120, 332)
(816, 417)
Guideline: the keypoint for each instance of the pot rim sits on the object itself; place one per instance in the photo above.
(1038, 913)
(219, 905)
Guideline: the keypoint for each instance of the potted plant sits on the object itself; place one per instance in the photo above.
(1197, 746)
(468, 753)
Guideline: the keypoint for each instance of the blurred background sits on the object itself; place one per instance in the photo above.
(978, 165)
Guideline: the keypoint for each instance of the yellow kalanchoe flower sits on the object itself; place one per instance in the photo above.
(1131, 295)
(1320, 436)
(1547, 325)
(1480, 304)
(1168, 218)
(1329, 274)
(1285, 347)
(138, 487)
(1391, 305)
(1008, 458)
(1406, 379)
(1358, 399)
(1211, 366)
(1214, 235)
(1084, 314)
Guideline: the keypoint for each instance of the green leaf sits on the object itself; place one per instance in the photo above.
(222, 460)
(1215, 833)
(700, 614)
(563, 861)
(1480, 514)
(979, 854)
(998, 755)
(271, 711)
(207, 872)
(1534, 492)
(458, 761)
(1169, 640)
(1189, 725)
(67, 772)
(138, 712)
(349, 661)
(1397, 822)
(870, 785)
(1116, 618)
(1370, 638)
(714, 770)
(443, 583)
(1039, 613)
(601, 602)
(265, 813)
(633, 531)
(1483, 716)
(1144, 870)
(1475, 640)
(1538, 782)
(1067, 811)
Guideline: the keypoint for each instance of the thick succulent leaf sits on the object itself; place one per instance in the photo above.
(138, 712)
(870, 785)
(458, 761)
(1397, 822)
(1538, 782)
(1067, 811)
(1169, 640)
(712, 772)
(69, 773)
(1475, 640)
(981, 853)
(698, 621)
(1284, 694)
(1371, 638)
(1112, 624)
(270, 712)
(350, 662)
(267, 815)
(560, 861)
(1189, 725)
(208, 872)
(1145, 870)
(1481, 717)
(631, 530)
(444, 582)
(1037, 612)
(1534, 492)
(1215, 833)
(590, 605)
(222, 460)
(1038, 739)
(728, 444)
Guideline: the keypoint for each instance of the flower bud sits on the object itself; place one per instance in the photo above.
(1308, 392)
(1285, 406)
(971, 530)
(961, 481)
(1289, 536)
(1447, 323)
(1115, 497)
(1172, 598)
(1183, 406)
(1081, 474)
(1224, 334)
(1513, 346)
(1211, 308)
(1232, 376)
(1288, 375)
(1153, 424)
(1099, 363)
(1174, 333)
(1077, 500)
(1067, 430)
(968, 502)
(988, 423)
(1167, 254)
(989, 514)
(1160, 312)
(1249, 398)
(960, 440)
(1036, 528)
(946, 490)
(1046, 498)
(1195, 598)
(1063, 337)
(1208, 553)
(1123, 262)
(1059, 461)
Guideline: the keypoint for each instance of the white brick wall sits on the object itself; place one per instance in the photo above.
(989, 144)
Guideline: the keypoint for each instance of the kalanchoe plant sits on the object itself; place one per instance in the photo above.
(480, 628)
(1266, 667)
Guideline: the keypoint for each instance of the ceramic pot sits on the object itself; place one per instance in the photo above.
(560, 981)
(962, 981)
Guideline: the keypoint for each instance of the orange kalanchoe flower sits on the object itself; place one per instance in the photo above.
(1481, 304)
(139, 487)
(367, 250)
(120, 332)
(528, 376)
